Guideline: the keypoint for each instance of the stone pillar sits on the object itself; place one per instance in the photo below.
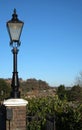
(17, 111)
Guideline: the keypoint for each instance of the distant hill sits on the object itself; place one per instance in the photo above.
(34, 88)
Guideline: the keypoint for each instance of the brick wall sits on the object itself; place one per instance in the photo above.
(18, 121)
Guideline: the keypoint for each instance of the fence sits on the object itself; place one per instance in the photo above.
(49, 125)
(2, 117)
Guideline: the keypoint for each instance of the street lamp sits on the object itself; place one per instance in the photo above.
(14, 27)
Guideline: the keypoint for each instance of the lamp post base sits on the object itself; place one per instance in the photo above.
(15, 94)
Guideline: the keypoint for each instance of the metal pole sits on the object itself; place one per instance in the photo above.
(15, 93)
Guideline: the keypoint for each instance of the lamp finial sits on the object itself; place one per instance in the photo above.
(14, 11)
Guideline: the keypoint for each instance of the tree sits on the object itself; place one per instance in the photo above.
(79, 80)
(4, 89)
(61, 92)
(75, 93)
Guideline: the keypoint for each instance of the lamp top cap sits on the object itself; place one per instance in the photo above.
(14, 16)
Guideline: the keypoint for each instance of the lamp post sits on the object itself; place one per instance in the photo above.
(14, 27)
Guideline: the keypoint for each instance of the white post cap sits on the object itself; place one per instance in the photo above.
(15, 102)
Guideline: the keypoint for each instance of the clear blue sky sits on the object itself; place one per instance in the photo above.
(51, 40)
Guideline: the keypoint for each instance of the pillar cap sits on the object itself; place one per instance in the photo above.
(15, 102)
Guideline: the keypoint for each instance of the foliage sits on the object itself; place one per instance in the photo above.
(69, 118)
(68, 115)
(39, 109)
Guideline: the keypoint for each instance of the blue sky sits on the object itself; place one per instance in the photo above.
(51, 40)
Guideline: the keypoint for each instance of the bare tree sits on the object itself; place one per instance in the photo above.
(79, 79)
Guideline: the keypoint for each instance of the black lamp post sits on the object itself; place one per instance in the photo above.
(14, 27)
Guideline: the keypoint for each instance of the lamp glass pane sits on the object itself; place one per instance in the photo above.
(15, 30)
